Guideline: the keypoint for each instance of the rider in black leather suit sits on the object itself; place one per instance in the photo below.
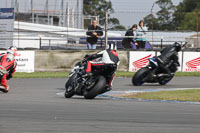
(168, 54)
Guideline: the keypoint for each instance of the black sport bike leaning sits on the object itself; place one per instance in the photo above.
(153, 74)
(87, 85)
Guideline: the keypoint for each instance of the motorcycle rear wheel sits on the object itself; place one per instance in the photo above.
(69, 92)
(96, 89)
(138, 78)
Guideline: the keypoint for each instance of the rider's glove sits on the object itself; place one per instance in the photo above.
(86, 56)
(177, 63)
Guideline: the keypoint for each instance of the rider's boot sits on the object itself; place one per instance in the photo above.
(3, 89)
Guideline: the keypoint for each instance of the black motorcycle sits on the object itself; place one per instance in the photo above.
(84, 84)
(153, 74)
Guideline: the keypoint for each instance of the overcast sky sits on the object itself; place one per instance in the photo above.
(130, 12)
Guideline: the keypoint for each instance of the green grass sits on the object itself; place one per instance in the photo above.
(124, 74)
(130, 74)
(41, 75)
(178, 95)
(64, 74)
(187, 74)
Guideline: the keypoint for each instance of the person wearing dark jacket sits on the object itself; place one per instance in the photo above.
(168, 54)
(93, 33)
(127, 41)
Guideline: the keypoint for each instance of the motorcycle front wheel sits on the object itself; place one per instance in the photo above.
(100, 84)
(69, 92)
(139, 76)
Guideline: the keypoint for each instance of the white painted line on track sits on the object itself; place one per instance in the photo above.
(60, 94)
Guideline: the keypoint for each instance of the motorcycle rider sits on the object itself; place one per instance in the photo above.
(7, 67)
(167, 55)
(103, 59)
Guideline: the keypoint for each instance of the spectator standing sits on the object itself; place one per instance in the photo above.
(94, 32)
(141, 32)
(128, 41)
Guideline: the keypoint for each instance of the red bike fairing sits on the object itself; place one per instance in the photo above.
(109, 57)
(114, 52)
(8, 67)
(88, 69)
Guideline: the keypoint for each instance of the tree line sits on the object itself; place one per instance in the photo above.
(184, 16)
(98, 8)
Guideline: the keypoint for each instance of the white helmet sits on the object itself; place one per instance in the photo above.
(112, 46)
(12, 50)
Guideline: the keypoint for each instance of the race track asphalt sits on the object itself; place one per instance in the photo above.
(33, 106)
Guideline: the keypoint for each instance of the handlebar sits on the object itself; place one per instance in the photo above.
(183, 46)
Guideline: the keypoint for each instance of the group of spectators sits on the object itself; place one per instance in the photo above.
(134, 37)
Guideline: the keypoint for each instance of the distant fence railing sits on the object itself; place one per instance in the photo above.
(52, 40)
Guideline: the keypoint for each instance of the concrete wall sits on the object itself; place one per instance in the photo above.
(65, 60)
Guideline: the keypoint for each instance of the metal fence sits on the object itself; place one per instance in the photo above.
(69, 35)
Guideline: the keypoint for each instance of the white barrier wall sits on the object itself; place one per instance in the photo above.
(50, 60)
(25, 61)
(191, 61)
(30, 61)
(138, 59)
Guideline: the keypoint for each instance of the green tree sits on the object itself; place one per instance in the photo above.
(165, 15)
(178, 15)
(98, 8)
(188, 23)
(151, 22)
(186, 15)
(163, 20)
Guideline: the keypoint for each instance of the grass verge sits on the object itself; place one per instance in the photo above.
(64, 74)
(178, 95)
(41, 75)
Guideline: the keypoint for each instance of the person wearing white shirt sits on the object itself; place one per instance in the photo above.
(141, 31)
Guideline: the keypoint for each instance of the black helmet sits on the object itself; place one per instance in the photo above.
(177, 46)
